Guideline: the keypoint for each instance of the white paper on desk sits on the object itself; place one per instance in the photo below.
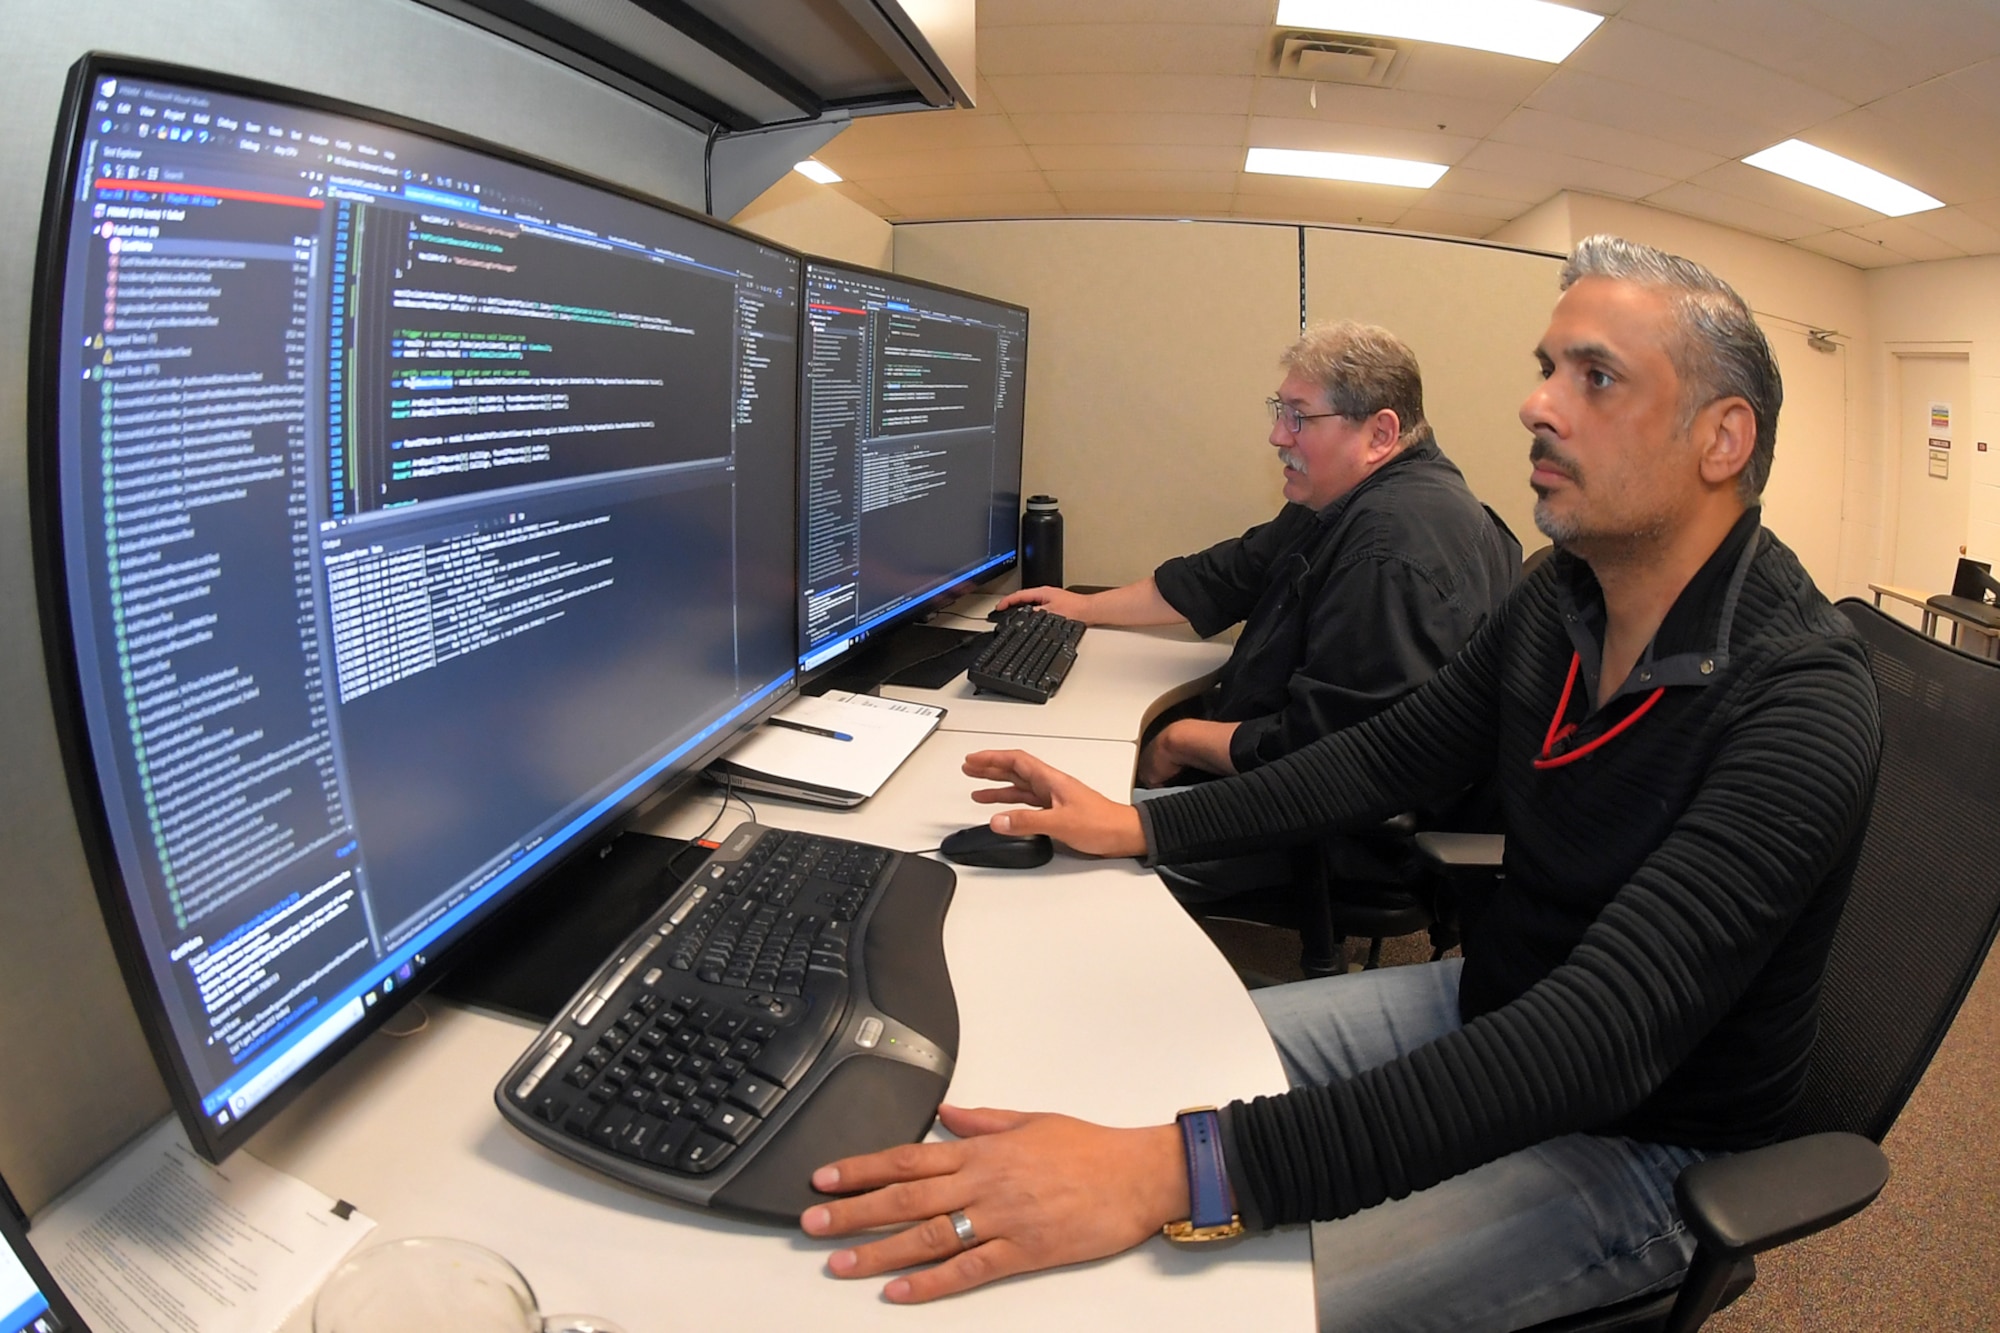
(885, 732)
(159, 1241)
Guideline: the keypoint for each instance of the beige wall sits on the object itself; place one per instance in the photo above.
(1151, 349)
(1950, 305)
(1472, 314)
(808, 216)
(1832, 489)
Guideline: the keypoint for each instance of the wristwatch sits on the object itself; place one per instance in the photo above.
(1210, 1214)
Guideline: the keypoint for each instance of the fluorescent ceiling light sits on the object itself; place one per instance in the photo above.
(1836, 175)
(1343, 167)
(818, 171)
(1529, 28)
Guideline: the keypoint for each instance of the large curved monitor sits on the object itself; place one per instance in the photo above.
(407, 511)
(910, 452)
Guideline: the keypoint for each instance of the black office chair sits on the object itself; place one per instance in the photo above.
(1918, 925)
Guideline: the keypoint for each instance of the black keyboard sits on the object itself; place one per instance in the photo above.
(1032, 651)
(789, 1005)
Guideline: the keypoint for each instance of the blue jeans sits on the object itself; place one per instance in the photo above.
(1570, 1224)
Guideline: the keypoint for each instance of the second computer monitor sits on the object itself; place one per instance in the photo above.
(910, 457)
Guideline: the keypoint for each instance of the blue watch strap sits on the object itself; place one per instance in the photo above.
(1209, 1200)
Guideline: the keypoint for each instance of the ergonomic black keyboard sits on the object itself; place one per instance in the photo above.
(1032, 651)
(789, 1005)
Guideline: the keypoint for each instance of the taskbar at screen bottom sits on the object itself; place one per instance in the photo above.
(255, 1083)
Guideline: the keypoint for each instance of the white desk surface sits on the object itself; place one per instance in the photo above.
(1121, 680)
(1082, 988)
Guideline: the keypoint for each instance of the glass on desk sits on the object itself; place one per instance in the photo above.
(426, 1284)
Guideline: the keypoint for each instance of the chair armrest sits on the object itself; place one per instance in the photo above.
(1462, 850)
(1749, 1202)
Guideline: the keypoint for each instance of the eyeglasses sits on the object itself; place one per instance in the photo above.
(1293, 420)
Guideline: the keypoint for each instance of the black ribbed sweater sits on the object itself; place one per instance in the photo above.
(1651, 964)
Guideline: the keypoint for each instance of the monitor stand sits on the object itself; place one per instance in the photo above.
(926, 656)
(530, 959)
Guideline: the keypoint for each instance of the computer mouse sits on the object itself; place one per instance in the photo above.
(981, 846)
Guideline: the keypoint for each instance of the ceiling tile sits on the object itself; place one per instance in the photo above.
(1138, 157)
(1213, 94)
(1122, 48)
(1602, 143)
(1941, 30)
(1752, 95)
(1192, 182)
(1473, 205)
(1282, 208)
(1446, 223)
(1393, 107)
(1787, 196)
(1123, 127)
(864, 166)
(1851, 250)
(1956, 226)
(1008, 13)
(915, 131)
(899, 190)
(1933, 137)
(1526, 189)
(1562, 169)
(1375, 140)
(1979, 85)
(1148, 203)
(1481, 76)
(1797, 40)
(1982, 210)
(946, 207)
(1904, 237)
(1733, 211)
(1627, 106)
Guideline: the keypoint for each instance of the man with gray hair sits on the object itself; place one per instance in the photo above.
(1684, 736)
(1377, 570)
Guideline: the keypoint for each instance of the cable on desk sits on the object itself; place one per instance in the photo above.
(423, 1017)
(728, 792)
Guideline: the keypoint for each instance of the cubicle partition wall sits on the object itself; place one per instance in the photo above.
(1157, 342)
(1472, 314)
(1155, 346)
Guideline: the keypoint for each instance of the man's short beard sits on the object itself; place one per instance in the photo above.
(1556, 527)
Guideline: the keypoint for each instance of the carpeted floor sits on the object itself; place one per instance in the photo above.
(1924, 1258)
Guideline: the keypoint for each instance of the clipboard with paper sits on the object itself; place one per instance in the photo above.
(834, 749)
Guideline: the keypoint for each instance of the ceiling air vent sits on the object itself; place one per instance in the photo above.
(1367, 62)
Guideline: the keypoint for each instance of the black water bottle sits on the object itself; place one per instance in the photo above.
(1042, 544)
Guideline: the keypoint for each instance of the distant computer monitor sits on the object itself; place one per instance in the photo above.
(407, 511)
(910, 482)
(1974, 580)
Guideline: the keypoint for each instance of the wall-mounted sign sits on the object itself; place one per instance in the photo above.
(1941, 419)
(1937, 443)
(1940, 463)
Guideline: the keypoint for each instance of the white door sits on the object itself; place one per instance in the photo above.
(1931, 510)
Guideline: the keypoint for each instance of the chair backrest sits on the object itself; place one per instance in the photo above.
(1926, 897)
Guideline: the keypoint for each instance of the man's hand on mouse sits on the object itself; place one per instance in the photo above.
(1062, 601)
(1070, 812)
(1036, 1191)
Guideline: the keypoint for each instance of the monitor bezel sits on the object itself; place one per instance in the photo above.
(14, 1228)
(923, 608)
(57, 630)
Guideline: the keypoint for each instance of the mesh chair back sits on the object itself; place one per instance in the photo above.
(1926, 896)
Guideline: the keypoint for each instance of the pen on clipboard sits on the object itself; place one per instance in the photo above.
(790, 725)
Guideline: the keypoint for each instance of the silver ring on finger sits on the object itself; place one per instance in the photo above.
(961, 1226)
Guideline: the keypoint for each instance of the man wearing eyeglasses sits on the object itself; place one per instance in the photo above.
(1685, 735)
(1377, 570)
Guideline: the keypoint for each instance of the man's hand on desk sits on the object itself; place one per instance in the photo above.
(1070, 812)
(1188, 743)
(1039, 1191)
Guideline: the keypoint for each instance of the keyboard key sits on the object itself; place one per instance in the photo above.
(703, 1153)
(610, 1125)
(549, 1108)
(638, 1136)
(756, 1094)
(603, 1090)
(668, 1141)
(714, 1089)
(731, 1123)
(582, 1118)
